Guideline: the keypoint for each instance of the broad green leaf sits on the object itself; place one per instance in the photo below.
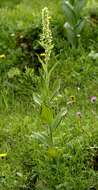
(52, 69)
(79, 5)
(79, 27)
(69, 12)
(43, 63)
(46, 114)
(72, 2)
(57, 120)
(70, 34)
(56, 88)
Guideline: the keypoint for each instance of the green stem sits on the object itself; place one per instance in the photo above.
(50, 136)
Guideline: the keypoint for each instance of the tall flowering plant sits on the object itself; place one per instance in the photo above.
(46, 97)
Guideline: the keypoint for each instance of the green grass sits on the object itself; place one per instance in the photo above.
(71, 164)
(9, 3)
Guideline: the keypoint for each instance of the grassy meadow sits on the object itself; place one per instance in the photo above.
(48, 95)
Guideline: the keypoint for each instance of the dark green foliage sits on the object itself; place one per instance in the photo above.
(75, 22)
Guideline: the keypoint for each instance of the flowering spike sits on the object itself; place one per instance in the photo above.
(46, 36)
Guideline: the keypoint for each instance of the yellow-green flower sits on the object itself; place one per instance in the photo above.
(73, 98)
(42, 54)
(3, 155)
(2, 56)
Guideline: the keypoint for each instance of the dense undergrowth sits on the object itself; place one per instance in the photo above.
(48, 124)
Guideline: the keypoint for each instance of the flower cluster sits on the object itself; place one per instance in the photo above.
(2, 56)
(46, 37)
